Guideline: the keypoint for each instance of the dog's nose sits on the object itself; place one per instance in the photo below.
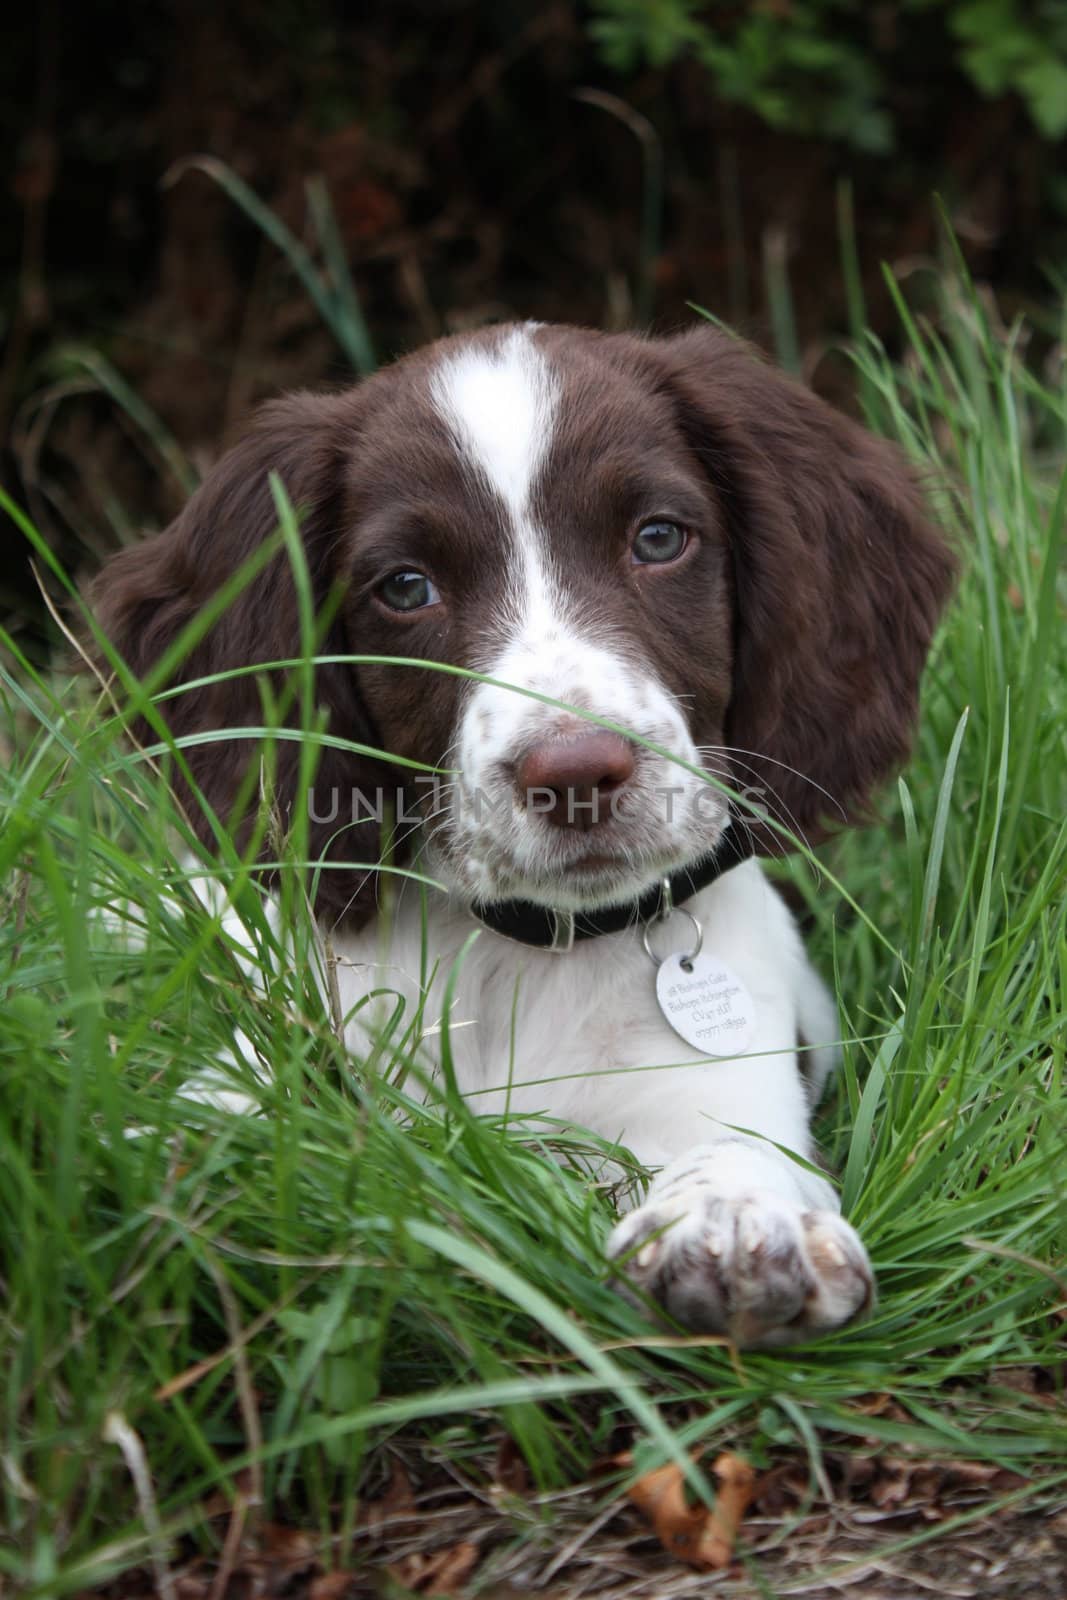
(571, 781)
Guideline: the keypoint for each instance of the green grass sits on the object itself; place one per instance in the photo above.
(215, 1299)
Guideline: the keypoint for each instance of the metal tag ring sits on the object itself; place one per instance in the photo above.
(689, 955)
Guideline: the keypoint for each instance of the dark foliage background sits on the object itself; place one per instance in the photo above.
(483, 160)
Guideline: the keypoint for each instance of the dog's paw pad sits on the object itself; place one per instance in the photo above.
(757, 1268)
(844, 1282)
(771, 1280)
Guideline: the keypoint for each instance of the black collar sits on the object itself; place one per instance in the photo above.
(546, 929)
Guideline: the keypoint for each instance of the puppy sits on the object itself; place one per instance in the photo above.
(681, 577)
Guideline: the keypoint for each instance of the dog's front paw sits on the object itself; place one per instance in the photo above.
(759, 1268)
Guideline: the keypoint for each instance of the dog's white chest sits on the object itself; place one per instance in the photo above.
(577, 1036)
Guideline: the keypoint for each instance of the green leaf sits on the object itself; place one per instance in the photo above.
(1044, 88)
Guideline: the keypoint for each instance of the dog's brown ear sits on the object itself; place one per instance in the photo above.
(146, 595)
(839, 581)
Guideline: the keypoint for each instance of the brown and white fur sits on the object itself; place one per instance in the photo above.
(514, 474)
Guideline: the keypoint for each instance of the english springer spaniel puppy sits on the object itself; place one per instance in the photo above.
(728, 587)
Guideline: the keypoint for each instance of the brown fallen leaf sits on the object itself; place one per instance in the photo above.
(393, 1509)
(701, 1536)
(285, 1546)
(440, 1572)
(509, 1470)
(893, 1483)
(872, 1405)
(190, 1585)
(781, 1488)
(332, 1586)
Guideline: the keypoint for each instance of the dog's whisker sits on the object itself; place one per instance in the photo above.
(806, 778)
(779, 811)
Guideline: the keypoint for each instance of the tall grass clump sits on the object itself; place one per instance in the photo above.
(201, 1304)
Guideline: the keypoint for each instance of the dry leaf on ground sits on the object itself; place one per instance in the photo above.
(393, 1509)
(701, 1536)
(440, 1572)
(332, 1586)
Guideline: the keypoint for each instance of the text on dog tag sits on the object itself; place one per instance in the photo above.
(706, 1004)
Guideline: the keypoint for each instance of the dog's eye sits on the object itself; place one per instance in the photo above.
(408, 591)
(658, 542)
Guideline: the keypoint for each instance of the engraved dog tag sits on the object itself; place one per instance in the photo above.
(706, 1004)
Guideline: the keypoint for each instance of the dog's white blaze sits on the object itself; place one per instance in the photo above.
(500, 403)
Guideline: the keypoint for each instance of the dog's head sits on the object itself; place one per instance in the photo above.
(666, 534)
